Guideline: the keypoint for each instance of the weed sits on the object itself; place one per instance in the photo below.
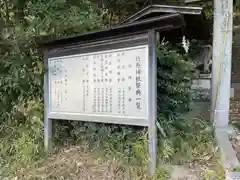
(21, 143)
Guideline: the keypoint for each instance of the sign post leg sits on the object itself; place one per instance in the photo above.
(47, 121)
(152, 101)
(47, 133)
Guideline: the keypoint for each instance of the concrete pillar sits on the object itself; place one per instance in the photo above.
(222, 60)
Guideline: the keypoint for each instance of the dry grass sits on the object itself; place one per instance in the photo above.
(76, 163)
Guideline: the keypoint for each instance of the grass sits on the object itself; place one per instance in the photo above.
(90, 150)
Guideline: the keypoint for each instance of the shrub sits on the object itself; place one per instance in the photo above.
(174, 78)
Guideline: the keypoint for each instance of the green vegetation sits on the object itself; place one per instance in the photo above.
(21, 69)
(213, 175)
(119, 148)
(236, 169)
(175, 73)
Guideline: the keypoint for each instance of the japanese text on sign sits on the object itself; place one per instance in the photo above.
(112, 82)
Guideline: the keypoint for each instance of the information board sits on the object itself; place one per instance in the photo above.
(104, 83)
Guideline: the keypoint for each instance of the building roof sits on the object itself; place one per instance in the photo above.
(196, 24)
(154, 10)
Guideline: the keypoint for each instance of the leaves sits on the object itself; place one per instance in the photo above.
(22, 68)
(21, 63)
(175, 73)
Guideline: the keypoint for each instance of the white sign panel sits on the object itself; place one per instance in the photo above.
(104, 83)
(201, 84)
